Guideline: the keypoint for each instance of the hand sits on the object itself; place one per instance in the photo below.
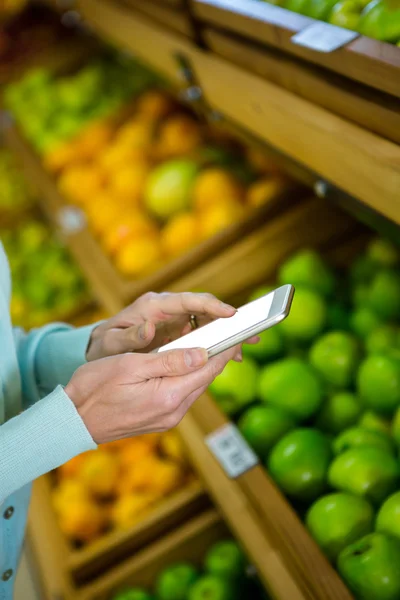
(133, 394)
(152, 321)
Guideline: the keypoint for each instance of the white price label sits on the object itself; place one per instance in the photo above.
(324, 37)
(230, 449)
(71, 220)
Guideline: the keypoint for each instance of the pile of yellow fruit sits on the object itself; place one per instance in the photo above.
(147, 187)
(118, 484)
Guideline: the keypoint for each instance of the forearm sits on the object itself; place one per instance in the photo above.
(40, 439)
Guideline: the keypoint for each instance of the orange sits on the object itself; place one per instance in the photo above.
(134, 452)
(83, 521)
(139, 256)
(130, 509)
(180, 234)
(60, 157)
(260, 161)
(103, 212)
(264, 190)
(140, 475)
(93, 139)
(116, 446)
(136, 134)
(124, 229)
(167, 477)
(69, 491)
(118, 155)
(214, 186)
(72, 467)
(178, 135)
(154, 104)
(172, 447)
(81, 184)
(128, 182)
(99, 473)
(219, 217)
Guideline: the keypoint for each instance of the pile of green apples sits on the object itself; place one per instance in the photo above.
(14, 194)
(225, 576)
(46, 284)
(318, 399)
(375, 19)
(50, 109)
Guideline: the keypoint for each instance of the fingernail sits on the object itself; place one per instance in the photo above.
(238, 357)
(227, 307)
(144, 331)
(196, 357)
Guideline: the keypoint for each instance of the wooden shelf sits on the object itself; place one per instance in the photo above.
(368, 61)
(357, 161)
(65, 570)
(169, 13)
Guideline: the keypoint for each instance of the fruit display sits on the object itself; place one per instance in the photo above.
(14, 192)
(375, 19)
(223, 575)
(318, 399)
(117, 485)
(160, 182)
(50, 109)
(47, 285)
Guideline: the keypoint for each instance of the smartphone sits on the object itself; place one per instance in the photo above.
(250, 319)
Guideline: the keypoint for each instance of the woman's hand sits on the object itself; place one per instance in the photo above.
(154, 320)
(132, 394)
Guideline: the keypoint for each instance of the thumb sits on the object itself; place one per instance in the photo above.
(173, 363)
(130, 339)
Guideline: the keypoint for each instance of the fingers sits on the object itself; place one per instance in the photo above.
(166, 305)
(174, 363)
(119, 341)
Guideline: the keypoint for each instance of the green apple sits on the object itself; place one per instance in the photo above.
(383, 252)
(291, 385)
(320, 9)
(337, 520)
(373, 422)
(133, 594)
(371, 567)
(380, 22)
(335, 356)
(382, 339)
(175, 582)
(306, 267)
(299, 463)
(297, 6)
(384, 293)
(365, 471)
(271, 345)
(378, 384)
(395, 427)
(388, 518)
(307, 318)
(236, 386)
(262, 426)
(357, 437)
(363, 321)
(211, 587)
(226, 560)
(363, 269)
(359, 294)
(338, 412)
(346, 14)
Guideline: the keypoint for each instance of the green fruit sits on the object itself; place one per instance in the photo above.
(365, 471)
(236, 386)
(335, 356)
(363, 321)
(297, 6)
(378, 383)
(226, 560)
(395, 427)
(169, 187)
(380, 22)
(338, 316)
(210, 587)
(371, 567)
(356, 437)
(320, 9)
(306, 268)
(363, 269)
(271, 345)
(308, 316)
(346, 14)
(175, 582)
(291, 385)
(383, 252)
(262, 426)
(374, 422)
(338, 412)
(337, 520)
(384, 294)
(133, 594)
(299, 463)
(388, 518)
(382, 339)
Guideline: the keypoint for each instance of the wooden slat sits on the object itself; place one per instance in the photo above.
(172, 19)
(368, 61)
(357, 161)
(364, 106)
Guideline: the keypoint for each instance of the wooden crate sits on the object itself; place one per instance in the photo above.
(63, 570)
(357, 161)
(189, 542)
(173, 14)
(368, 61)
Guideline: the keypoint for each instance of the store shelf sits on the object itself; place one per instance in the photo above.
(168, 13)
(64, 569)
(368, 61)
(355, 160)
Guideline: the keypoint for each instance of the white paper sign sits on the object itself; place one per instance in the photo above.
(324, 37)
(71, 220)
(231, 450)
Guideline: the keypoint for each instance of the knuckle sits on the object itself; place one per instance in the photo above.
(171, 361)
(149, 297)
(171, 402)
